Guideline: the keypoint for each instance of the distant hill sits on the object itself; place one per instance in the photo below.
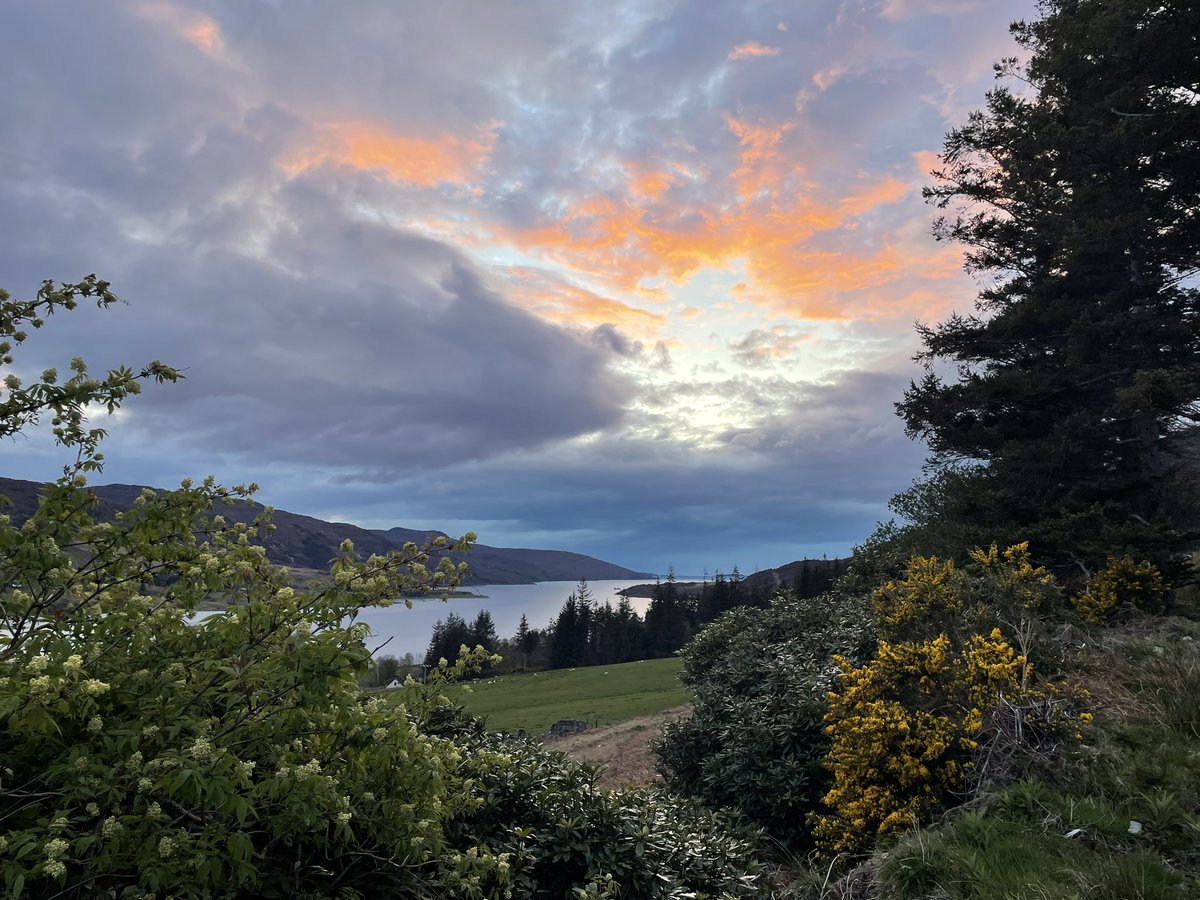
(305, 542)
(808, 577)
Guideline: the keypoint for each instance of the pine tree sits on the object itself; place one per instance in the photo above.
(666, 620)
(630, 634)
(1079, 204)
(565, 644)
(715, 599)
(483, 632)
(525, 640)
(448, 638)
(583, 641)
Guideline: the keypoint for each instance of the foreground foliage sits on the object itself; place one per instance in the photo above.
(1121, 587)
(907, 727)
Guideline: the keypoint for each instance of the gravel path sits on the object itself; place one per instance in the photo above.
(623, 750)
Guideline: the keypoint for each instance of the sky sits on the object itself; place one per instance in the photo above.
(634, 278)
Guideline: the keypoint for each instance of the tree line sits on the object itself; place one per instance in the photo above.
(586, 632)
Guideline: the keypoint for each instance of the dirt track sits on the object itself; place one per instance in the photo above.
(622, 749)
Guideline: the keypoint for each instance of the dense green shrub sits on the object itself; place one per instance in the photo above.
(562, 835)
(755, 741)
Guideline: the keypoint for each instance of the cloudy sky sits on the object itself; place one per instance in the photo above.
(635, 278)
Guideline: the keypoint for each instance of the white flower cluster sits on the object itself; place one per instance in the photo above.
(94, 687)
(55, 849)
(201, 749)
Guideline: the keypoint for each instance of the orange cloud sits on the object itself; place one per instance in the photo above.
(633, 243)
(881, 193)
(371, 147)
(765, 214)
(194, 27)
(884, 283)
(649, 183)
(760, 164)
(926, 162)
(751, 49)
(827, 77)
(552, 298)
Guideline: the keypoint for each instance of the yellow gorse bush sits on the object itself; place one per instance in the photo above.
(1122, 584)
(903, 729)
(905, 726)
(930, 590)
(1015, 574)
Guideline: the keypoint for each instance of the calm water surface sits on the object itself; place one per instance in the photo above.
(409, 629)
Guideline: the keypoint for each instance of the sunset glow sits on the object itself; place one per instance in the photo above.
(587, 263)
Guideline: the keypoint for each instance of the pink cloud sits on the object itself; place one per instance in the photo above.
(196, 28)
(416, 159)
(752, 49)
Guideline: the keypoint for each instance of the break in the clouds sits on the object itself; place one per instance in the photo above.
(635, 279)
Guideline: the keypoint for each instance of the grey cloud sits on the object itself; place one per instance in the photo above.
(307, 332)
(814, 478)
(656, 358)
(760, 346)
(607, 335)
(372, 349)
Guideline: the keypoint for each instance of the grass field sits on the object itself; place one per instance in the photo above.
(599, 695)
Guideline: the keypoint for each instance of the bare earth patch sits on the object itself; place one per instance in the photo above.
(623, 750)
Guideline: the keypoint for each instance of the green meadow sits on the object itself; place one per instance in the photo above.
(600, 695)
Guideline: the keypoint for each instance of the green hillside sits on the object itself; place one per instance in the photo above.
(601, 695)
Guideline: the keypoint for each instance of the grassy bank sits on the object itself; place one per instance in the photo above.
(600, 695)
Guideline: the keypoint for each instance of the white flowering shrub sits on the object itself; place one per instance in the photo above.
(144, 754)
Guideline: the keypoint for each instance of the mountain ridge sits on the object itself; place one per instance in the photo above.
(308, 542)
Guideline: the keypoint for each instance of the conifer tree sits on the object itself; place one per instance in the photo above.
(1077, 198)
(483, 632)
(524, 640)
